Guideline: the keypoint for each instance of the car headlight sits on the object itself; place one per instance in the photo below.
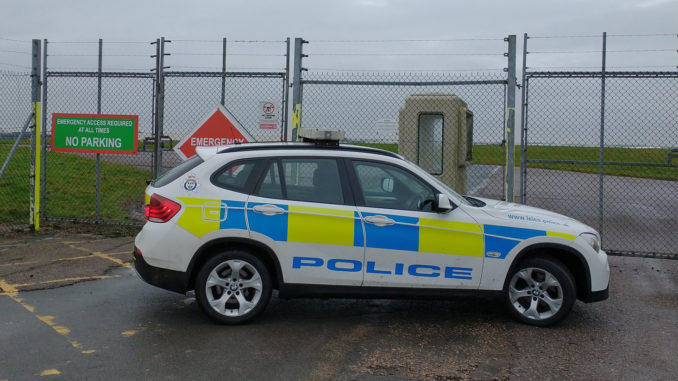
(592, 239)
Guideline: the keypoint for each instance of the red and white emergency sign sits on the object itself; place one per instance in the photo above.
(218, 128)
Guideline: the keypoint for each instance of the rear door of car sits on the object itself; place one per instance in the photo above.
(303, 209)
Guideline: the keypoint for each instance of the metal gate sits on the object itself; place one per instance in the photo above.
(600, 146)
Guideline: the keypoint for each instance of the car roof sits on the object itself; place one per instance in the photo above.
(302, 146)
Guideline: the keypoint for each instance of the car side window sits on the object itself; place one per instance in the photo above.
(271, 185)
(312, 180)
(387, 186)
(235, 176)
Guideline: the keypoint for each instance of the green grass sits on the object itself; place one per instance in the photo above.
(494, 155)
(15, 185)
(71, 187)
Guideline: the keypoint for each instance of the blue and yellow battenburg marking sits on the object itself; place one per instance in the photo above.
(500, 240)
(306, 224)
(309, 225)
(203, 216)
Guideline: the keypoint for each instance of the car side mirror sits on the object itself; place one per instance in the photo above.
(443, 203)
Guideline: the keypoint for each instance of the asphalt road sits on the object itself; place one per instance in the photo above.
(118, 327)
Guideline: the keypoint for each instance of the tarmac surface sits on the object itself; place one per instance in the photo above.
(72, 308)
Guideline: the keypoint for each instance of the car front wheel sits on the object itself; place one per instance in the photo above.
(540, 292)
(233, 287)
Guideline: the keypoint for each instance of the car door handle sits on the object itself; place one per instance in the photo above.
(379, 220)
(268, 209)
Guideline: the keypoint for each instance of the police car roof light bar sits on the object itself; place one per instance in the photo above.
(321, 138)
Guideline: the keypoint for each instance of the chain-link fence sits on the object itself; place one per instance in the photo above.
(449, 117)
(600, 146)
(87, 187)
(370, 108)
(15, 103)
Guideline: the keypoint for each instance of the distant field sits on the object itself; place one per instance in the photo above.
(71, 189)
(494, 155)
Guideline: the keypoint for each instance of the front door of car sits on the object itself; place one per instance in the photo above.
(407, 243)
(303, 209)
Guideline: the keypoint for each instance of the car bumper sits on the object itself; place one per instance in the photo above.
(597, 296)
(171, 280)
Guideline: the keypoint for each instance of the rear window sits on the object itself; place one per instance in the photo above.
(177, 171)
(236, 176)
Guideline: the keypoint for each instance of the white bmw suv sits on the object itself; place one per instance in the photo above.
(234, 223)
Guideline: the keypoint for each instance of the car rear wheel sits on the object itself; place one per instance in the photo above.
(540, 292)
(233, 287)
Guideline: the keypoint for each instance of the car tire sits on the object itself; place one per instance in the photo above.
(540, 292)
(233, 287)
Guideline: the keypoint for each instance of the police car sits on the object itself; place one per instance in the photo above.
(324, 219)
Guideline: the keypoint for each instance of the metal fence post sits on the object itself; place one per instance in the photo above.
(523, 127)
(510, 118)
(98, 181)
(297, 86)
(159, 105)
(34, 218)
(286, 93)
(43, 123)
(223, 72)
(156, 80)
(601, 170)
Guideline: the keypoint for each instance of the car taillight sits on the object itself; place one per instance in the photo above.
(161, 209)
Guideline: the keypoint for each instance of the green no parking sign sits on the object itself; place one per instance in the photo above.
(95, 133)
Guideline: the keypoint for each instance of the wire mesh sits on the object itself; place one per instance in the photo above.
(367, 106)
(70, 178)
(190, 98)
(637, 211)
(70, 185)
(15, 103)
(641, 127)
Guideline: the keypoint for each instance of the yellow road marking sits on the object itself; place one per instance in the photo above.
(116, 260)
(121, 253)
(49, 320)
(50, 372)
(76, 279)
(129, 333)
(72, 258)
(79, 248)
(103, 255)
(90, 255)
(8, 289)
(12, 291)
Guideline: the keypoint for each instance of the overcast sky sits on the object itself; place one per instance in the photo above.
(318, 21)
